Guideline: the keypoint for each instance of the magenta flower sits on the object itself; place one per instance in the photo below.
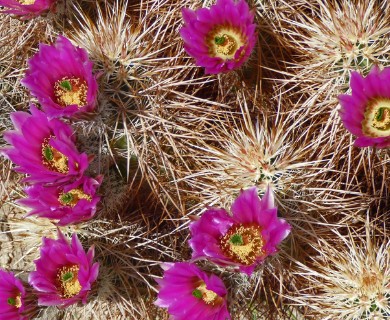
(60, 77)
(12, 295)
(69, 204)
(244, 239)
(366, 112)
(220, 38)
(64, 272)
(26, 9)
(44, 149)
(190, 294)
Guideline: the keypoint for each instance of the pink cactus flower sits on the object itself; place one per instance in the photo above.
(220, 38)
(27, 9)
(64, 272)
(60, 77)
(191, 294)
(366, 112)
(245, 238)
(12, 297)
(69, 204)
(44, 149)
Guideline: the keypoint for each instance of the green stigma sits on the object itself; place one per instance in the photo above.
(67, 198)
(67, 276)
(197, 294)
(380, 114)
(237, 240)
(48, 154)
(11, 301)
(219, 40)
(66, 85)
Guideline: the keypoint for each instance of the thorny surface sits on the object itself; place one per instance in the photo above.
(170, 141)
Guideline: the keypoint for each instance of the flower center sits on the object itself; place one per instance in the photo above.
(68, 282)
(53, 159)
(72, 197)
(71, 90)
(224, 41)
(243, 244)
(16, 302)
(208, 296)
(225, 44)
(376, 121)
(26, 2)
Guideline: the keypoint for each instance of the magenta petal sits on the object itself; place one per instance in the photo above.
(246, 206)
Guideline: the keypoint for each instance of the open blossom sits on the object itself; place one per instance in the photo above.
(220, 38)
(366, 112)
(12, 295)
(26, 9)
(191, 294)
(64, 272)
(60, 77)
(69, 204)
(43, 148)
(243, 239)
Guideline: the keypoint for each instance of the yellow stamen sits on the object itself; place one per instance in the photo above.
(208, 296)
(243, 244)
(224, 41)
(71, 90)
(227, 46)
(67, 281)
(72, 197)
(376, 121)
(16, 302)
(26, 2)
(53, 159)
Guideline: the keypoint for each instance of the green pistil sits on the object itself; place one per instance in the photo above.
(66, 85)
(380, 115)
(67, 198)
(48, 154)
(219, 40)
(197, 294)
(236, 240)
(11, 301)
(67, 276)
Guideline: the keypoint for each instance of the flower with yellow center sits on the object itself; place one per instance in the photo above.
(243, 239)
(76, 200)
(64, 272)
(60, 77)
(220, 38)
(366, 112)
(12, 297)
(190, 293)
